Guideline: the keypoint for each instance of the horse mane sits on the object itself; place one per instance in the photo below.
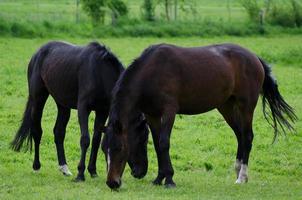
(121, 90)
(105, 53)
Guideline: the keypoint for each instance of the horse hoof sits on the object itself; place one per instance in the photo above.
(170, 185)
(241, 180)
(36, 166)
(36, 170)
(94, 175)
(79, 179)
(64, 169)
(157, 182)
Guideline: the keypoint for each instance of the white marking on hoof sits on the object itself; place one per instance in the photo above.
(237, 167)
(36, 170)
(64, 169)
(242, 178)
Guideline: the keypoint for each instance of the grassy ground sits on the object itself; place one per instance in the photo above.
(197, 141)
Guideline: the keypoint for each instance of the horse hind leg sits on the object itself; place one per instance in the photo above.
(39, 95)
(247, 136)
(239, 118)
(59, 135)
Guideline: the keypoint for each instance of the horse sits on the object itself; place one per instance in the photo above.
(167, 80)
(77, 77)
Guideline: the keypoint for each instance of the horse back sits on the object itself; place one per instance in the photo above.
(197, 80)
(71, 72)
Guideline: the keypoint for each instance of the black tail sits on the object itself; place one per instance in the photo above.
(24, 130)
(282, 115)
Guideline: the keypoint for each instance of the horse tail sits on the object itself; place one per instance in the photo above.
(24, 132)
(282, 114)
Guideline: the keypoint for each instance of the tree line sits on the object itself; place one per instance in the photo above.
(97, 9)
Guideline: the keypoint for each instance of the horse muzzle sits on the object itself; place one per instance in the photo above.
(114, 184)
(138, 172)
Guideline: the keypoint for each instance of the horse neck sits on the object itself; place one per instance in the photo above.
(125, 107)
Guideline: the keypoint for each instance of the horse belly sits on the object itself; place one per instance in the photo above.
(201, 104)
(65, 97)
(205, 94)
(63, 88)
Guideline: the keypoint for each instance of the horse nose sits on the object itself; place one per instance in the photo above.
(115, 184)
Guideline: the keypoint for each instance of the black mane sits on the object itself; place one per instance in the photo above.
(120, 90)
(107, 55)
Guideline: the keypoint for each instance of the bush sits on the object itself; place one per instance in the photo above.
(4, 27)
(297, 11)
(22, 29)
(253, 9)
(281, 16)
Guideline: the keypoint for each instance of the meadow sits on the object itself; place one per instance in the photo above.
(203, 147)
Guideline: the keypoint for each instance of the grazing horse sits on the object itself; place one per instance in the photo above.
(79, 78)
(167, 80)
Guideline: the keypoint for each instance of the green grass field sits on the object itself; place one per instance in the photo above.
(275, 171)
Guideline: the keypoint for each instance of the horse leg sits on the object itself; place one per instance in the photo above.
(83, 114)
(59, 133)
(240, 117)
(154, 124)
(161, 131)
(246, 144)
(39, 101)
(99, 123)
(230, 113)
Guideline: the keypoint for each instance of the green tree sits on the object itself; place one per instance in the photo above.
(149, 10)
(252, 8)
(118, 8)
(95, 10)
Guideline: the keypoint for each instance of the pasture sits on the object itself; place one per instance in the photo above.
(203, 147)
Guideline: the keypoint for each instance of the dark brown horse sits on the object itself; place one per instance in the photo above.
(79, 78)
(167, 80)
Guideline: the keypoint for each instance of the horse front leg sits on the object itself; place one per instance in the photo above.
(161, 130)
(83, 114)
(154, 125)
(99, 124)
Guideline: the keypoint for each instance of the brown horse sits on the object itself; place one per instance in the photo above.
(167, 80)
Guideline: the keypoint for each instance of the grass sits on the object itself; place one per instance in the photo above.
(202, 147)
